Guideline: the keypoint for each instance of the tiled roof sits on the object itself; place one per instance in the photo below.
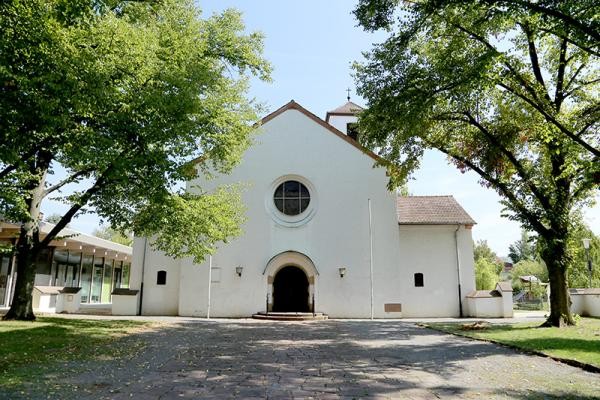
(348, 108)
(431, 210)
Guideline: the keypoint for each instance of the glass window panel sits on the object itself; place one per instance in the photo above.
(304, 191)
(97, 277)
(73, 269)
(279, 204)
(107, 281)
(125, 275)
(279, 191)
(86, 278)
(117, 274)
(291, 207)
(304, 204)
(4, 260)
(291, 189)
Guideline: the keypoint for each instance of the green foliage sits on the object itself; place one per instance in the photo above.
(189, 224)
(487, 266)
(486, 274)
(108, 233)
(578, 275)
(522, 249)
(502, 88)
(122, 95)
(526, 268)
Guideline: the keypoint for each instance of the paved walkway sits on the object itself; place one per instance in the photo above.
(327, 360)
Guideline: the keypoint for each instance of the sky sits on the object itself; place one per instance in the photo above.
(311, 45)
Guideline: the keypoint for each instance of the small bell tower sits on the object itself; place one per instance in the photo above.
(344, 117)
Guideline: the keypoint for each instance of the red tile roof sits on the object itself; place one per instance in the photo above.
(431, 210)
(349, 108)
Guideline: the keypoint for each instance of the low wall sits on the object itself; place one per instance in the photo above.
(495, 303)
(585, 302)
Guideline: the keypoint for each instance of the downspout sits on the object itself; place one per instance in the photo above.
(371, 255)
(142, 281)
(458, 271)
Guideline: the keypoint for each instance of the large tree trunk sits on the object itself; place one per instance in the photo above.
(22, 304)
(28, 242)
(555, 256)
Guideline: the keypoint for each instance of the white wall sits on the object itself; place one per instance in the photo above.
(342, 179)
(431, 250)
(156, 299)
(340, 122)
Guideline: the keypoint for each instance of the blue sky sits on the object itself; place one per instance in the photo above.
(311, 45)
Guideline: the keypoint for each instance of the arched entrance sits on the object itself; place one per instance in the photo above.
(290, 290)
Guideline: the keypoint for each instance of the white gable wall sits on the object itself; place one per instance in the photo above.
(337, 235)
(342, 179)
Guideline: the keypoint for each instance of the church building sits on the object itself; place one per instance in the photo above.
(323, 235)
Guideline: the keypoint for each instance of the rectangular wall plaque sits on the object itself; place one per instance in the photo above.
(392, 307)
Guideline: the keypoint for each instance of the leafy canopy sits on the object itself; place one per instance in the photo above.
(122, 95)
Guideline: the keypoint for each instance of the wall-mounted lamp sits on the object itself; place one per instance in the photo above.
(238, 270)
(342, 271)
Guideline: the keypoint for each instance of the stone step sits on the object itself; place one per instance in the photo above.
(290, 316)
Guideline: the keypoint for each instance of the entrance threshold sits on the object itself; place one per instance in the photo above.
(291, 316)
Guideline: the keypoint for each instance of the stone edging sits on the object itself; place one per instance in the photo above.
(574, 363)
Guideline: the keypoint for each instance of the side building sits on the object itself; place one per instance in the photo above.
(76, 259)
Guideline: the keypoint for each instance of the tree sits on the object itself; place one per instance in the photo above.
(487, 266)
(522, 249)
(108, 233)
(55, 219)
(122, 95)
(579, 275)
(529, 268)
(505, 90)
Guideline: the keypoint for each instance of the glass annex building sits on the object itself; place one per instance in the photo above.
(95, 265)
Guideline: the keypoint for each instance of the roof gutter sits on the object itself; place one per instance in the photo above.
(460, 305)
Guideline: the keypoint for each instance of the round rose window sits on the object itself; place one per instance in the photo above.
(291, 198)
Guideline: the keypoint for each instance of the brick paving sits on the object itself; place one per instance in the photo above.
(332, 359)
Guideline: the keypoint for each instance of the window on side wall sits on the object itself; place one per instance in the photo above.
(161, 278)
(419, 280)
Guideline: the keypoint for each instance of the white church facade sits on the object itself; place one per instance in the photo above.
(323, 234)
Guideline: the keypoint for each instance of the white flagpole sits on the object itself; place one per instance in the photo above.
(371, 254)
(209, 285)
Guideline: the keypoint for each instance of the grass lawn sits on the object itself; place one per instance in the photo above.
(580, 343)
(29, 350)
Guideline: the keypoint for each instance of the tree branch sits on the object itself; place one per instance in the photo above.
(535, 62)
(560, 76)
(66, 181)
(531, 218)
(544, 201)
(551, 119)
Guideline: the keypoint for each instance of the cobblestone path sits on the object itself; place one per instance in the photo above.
(325, 360)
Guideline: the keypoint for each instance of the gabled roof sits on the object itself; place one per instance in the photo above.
(292, 105)
(431, 210)
(349, 108)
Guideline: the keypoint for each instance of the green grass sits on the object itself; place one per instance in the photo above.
(580, 343)
(30, 350)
